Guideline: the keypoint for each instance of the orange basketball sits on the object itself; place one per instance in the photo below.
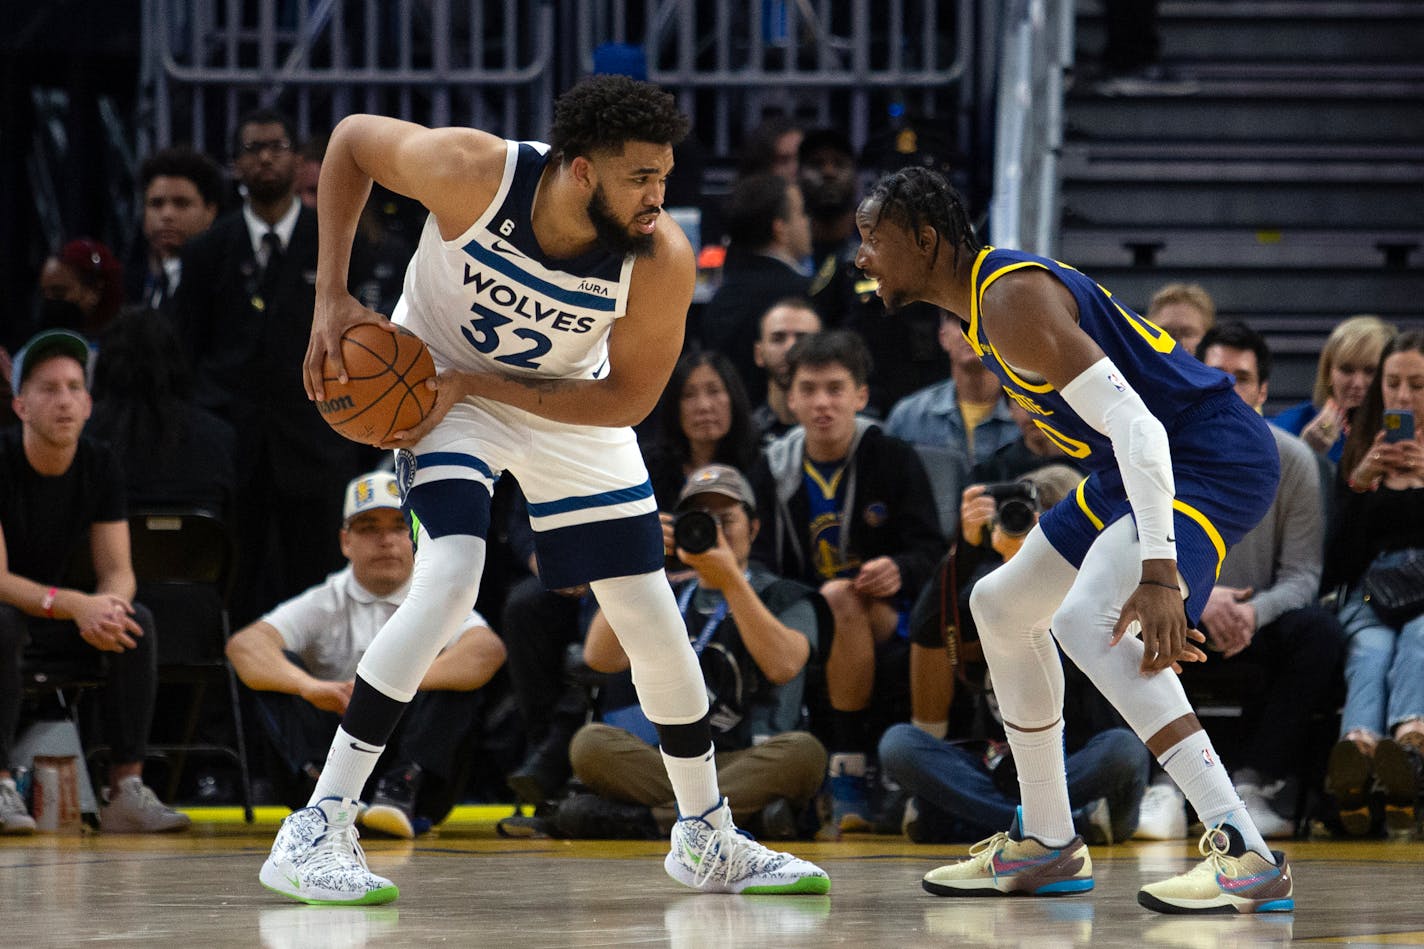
(386, 391)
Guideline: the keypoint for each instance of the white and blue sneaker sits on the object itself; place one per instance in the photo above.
(727, 860)
(316, 858)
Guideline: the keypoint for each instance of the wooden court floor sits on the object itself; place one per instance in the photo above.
(466, 886)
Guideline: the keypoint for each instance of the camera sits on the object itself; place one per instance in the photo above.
(1017, 506)
(694, 531)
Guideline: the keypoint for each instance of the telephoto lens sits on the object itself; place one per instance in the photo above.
(1017, 506)
(694, 531)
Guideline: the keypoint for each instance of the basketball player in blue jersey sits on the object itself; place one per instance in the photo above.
(1118, 572)
(552, 293)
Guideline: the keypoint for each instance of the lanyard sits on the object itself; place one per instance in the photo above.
(720, 613)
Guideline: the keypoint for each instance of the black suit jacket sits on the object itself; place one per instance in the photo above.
(247, 334)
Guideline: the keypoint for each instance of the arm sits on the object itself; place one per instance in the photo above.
(257, 656)
(643, 346)
(467, 664)
(105, 620)
(601, 649)
(113, 560)
(1034, 320)
(1299, 549)
(453, 172)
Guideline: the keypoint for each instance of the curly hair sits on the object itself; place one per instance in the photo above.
(603, 112)
(915, 196)
(181, 162)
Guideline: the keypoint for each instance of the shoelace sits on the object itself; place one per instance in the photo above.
(335, 849)
(985, 849)
(728, 852)
(1213, 846)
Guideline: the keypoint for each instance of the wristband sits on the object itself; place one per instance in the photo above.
(1158, 583)
(47, 604)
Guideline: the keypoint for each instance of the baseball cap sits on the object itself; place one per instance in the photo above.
(717, 479)
(370, 492)
(53, 342)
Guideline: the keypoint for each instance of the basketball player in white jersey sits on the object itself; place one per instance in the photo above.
(552, 293)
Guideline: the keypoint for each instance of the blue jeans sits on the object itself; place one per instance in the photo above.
(1384, 665)
(957, 799)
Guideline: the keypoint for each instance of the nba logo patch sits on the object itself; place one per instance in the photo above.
(1117, 382)
(1207, 759)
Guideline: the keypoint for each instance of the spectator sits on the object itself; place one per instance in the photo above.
(770, 240)
(1031, 450)
(1378, 537)
(754, 633)
(61, 495)
(966, 414)
(773, 147)
(81, 287)
(962, 788)
(848, 509)
(244, 309)
(1343, 377)
(1185, 310)
(829, 186)
(1262, 613)
(300, 660)
(182, 191)
(171, 451)
(782, 327)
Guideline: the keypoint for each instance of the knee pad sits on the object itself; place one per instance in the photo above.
(644, 615)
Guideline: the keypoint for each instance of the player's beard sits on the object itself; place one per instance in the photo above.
(614, 234)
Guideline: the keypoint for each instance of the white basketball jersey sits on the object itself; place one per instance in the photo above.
(491, 298)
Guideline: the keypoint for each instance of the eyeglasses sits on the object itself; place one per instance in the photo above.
(277, 146)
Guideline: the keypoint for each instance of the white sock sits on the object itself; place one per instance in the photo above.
(694, 784)
(1043, 784)
(349, 764)
(1193, 764)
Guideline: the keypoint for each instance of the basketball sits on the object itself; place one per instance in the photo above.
(386, 391)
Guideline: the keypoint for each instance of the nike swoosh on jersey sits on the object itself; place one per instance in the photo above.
(501, 247)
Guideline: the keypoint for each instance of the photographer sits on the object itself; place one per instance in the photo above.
(753, 633)
(965, 787)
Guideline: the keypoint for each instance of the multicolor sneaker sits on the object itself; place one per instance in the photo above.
(1010, 864)
(316, 858)
(1232, 879)
(849, 788)
(727, 860)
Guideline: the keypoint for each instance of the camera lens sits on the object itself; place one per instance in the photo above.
(1015, 517)
(694, 531)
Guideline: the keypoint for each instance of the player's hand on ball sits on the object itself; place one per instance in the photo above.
(332, 317)
(449, 389)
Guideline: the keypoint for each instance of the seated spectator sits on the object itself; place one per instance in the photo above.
(770, 239)
(172, 451)
(300, 660)
(1185, 310)
(1378, 544)
(81, 288)
(753, 633)
(966, 788)
(1263, 615)
(62, 502)
(1030, 451)
(1342, 378)
(182, 192)
(849, 509)
(965, 414)
(781, 327)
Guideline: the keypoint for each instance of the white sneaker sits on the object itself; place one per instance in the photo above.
(14, 817)
(727, 860)
(1163, 815)
(1271, 825)
(133, 808)
(316, 858)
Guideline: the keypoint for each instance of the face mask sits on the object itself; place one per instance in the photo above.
(61, 314)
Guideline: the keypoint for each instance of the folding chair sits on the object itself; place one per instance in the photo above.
(183, 560)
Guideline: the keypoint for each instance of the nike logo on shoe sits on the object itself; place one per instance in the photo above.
(1004, 867)
(690, 855)
(1236, 884)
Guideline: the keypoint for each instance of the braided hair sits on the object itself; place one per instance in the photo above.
(915, 196)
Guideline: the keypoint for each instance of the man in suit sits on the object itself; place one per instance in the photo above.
(245, 308)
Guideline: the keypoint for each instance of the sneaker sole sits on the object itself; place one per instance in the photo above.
(272, 879)
(1395, 773)
(1061, 888)
(807, 885)
(388, 820)
(1215, 906)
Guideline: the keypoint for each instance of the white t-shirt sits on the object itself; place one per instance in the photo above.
(330, 626)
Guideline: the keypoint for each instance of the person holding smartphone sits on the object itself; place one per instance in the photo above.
(1379, 534)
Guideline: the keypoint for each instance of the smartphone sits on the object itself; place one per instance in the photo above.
(1398, 425)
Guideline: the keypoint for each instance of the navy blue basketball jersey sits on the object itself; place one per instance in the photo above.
(1169, 379)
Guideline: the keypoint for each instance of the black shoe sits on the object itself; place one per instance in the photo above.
(1347, 780)
(1400, 772)
(590, 817)
(545, 770)
(778, 821)
(392, 809)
